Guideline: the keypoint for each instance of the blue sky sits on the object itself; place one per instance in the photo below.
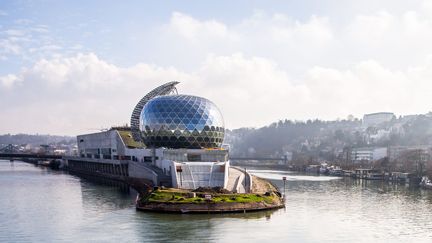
(114, 29)
(259, 61)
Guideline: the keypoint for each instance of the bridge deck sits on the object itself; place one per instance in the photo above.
(26, 155)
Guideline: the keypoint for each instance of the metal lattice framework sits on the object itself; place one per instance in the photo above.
(164, 89)
(182, 121)
(10, 148)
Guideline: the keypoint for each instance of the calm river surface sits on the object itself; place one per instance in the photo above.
(41, 205)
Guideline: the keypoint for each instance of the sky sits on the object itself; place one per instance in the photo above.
(72, 67)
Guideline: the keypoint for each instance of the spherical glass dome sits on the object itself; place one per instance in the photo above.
(182, 121)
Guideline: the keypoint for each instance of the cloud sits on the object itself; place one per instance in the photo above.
(85, 91)
(371, 28)
(293, 44)
(257, 69)
(259, 29)
(369, 86)
(9, 80)
(395, 39)
(250, 90)
(39, 29)
(105, 94)
(14, 32)
(28, 41)
(68, 95)
(282, 28)
(9, 46)
(195, 30)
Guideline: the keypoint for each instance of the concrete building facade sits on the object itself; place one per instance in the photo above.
(175, 136)
(368, 154)
(187, 168)
(374, 119)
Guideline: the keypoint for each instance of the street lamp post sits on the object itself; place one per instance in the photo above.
(284, 180)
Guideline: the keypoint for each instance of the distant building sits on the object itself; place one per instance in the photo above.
(410, 158)
(378, 135)
(408, 118)
(289, 156)
(396, 152)
(368, 154)
(374, 119)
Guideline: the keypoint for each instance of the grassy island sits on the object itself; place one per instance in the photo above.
(183, 196)
(207, 200)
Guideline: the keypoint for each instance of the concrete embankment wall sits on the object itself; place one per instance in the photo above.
(209, 207)
(140, 171)
(130, 172)
(112, 169)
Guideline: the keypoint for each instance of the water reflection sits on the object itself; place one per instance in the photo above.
(290, 176)
(43, 205)
(105, 195)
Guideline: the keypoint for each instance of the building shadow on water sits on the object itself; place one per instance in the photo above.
(104, 193)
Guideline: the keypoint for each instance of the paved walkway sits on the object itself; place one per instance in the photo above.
(236, 180)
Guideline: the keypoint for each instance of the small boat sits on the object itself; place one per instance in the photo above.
(312, 169)
(399, 177)
(361, 173)
(336, 172)
(426, 183)
(44, 162)
(348, 173)
(374, 176)
(323, 170)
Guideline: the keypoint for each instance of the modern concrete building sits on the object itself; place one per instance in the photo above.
(176, 136)
(367, 154)
(398, 152)
(374, 119)
(116, 143)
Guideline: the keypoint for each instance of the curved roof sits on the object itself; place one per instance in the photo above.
(161, 90)
(182, 121)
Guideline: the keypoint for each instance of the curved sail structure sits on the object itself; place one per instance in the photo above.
(164, 89)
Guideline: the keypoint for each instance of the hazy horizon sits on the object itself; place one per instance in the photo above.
(95, 130)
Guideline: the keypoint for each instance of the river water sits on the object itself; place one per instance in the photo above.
(41, 205)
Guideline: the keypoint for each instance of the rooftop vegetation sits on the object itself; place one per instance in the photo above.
(126, 136)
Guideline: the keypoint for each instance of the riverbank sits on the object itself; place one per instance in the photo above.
(413, 179)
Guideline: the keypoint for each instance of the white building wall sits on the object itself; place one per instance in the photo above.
(379, 153)
(200, 174)
(90, 143)
(376, 118)
(211, 169)
(368, 154)
(226, 174)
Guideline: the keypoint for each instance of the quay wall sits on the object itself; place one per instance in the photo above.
(130, 172)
